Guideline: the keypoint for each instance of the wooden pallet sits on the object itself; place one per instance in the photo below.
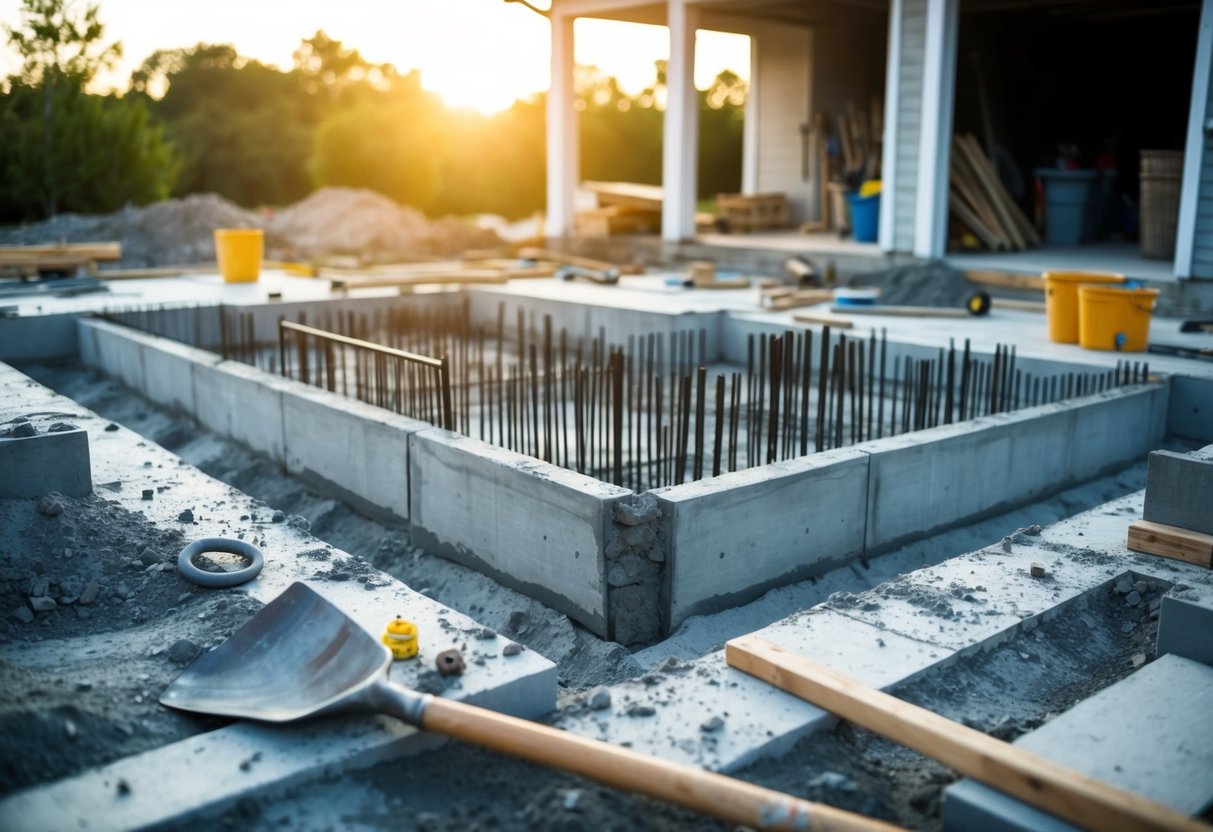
(754, 212)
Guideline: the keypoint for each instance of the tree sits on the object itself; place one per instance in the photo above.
(60, 142)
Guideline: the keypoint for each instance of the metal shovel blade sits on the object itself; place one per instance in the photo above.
(298, 657)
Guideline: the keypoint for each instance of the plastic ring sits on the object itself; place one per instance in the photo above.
(185, 562)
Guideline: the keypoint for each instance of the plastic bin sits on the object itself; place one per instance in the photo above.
(1061, 301)
(1115, 318)
(1069, 205)
(865, 217)
(239, 252)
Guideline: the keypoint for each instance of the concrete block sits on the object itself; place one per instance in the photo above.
(242, 403)
(731, 538)
(37, 337)
(37, 465)
(1190, 409)
(533, 526)
(1185, 622)
(1139, 735)
(1179, 490)
(354, 451)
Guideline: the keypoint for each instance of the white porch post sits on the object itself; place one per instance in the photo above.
(934, 149)
(892, 98)
(562, 150)
(749, 126)
(681, 140)
(1194, 149)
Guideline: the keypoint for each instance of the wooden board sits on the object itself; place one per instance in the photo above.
(21, 255)
(629, 194)
(790, 299)
(902, 311)
(532, 253)
(1036, 780)
(824, 319)
(1006, 280)
(1019, 305)
(1171, 542)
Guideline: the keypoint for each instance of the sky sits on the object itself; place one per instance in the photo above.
(481, 54)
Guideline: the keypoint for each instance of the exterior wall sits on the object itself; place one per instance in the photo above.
(1194, 240)
(783, 88)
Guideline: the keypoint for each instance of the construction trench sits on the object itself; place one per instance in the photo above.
(633, 477)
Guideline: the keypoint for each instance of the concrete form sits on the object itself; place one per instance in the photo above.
(1179, 489)
(1185, 622)
(34, 466)
(1102, 737)
(203, 774)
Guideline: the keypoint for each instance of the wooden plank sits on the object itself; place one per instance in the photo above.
(796, 298)
(1023, 229)
(1036, 780)
(823, 318)
(992, 188)
(630, 194)
(1171, 542)
(972, 222)
(902, 311)
(1006, 280)
(18, 255)
(532, 253)
(141, 274)
(1018, 305)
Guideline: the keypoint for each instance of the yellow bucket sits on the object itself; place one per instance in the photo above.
(1061, 301)
(239, 251)
(1113, 318)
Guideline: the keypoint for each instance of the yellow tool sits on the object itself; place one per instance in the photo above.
(401, 638)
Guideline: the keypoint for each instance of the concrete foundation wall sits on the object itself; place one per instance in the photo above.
(926, 481)
(534, 526)
(730, 538)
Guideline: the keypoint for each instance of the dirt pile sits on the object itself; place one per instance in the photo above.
(330, 221)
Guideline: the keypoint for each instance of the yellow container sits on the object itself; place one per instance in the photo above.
(1114, 318)
(239, 251)
(1061, 301)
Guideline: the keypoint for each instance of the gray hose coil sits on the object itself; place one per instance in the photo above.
(185, 562)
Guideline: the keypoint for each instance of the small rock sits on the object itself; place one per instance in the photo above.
(83, 612)
(61, 427)
(50, 505)
(1032, 530)
(89, 595)
(1140, 586)
(42, 604)
(1138, 660)
(636, 709)
(1038, 570)
(123, 787)
(182, 651)
(570, 799)
(279, 516)
(148, 493)
(70, 730)
(298, 522)
(599, 700)
(40, 586)
(1006, 544)
(1124, 586)
(1127, 627)
(511, 649)
(832, 781)
(84, 686)
(1133, 598)
(712, 725)
(186, 516)
(147, 557)
(484, 634)
(22, 430)
(22, 614)
(111, 427)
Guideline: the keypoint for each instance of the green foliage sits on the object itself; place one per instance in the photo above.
(64, 149)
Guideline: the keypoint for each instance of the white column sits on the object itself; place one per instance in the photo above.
(892, 98)
(749, 127)
(681, 140)
(934, 149)
(1194, 149)
(562, 152)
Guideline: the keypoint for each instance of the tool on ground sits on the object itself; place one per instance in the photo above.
(1071, 795)
(901, 311)
(400, 637)
(606, 278)
(301, 657)
(191, 572)
(532, 253)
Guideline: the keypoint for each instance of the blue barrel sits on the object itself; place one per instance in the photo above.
(865, 217)
(1069, 205)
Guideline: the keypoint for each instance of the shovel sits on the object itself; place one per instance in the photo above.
(301, 657)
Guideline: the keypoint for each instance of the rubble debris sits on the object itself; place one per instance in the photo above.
(183, 651)
(1038, 570)
(599, 699)
(511, 649)
(51, 505)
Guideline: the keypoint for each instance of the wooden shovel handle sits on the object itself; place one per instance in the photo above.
(703, 791)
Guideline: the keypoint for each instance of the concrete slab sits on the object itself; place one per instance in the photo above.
(532, 525)
(34, 466)
(1102, 737)
(1179, 490)
(162, 782)
(730, 538)
(1184, 623)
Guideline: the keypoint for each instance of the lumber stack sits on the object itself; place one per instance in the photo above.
(623, 208)
(32, 261)
(753, 212)
(981, 204)
(847, 148)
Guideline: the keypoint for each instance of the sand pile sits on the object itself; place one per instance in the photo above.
(345, 220)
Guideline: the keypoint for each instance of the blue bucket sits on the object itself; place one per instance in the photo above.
(865, 217)
(1070, 215)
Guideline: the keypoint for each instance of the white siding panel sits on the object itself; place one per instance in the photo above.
(783, 57)
(909, 121)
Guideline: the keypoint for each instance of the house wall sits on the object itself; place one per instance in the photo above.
(913, 35)
(782, 88)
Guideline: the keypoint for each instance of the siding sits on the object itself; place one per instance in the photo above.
(909, 121)
(1202, 239)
